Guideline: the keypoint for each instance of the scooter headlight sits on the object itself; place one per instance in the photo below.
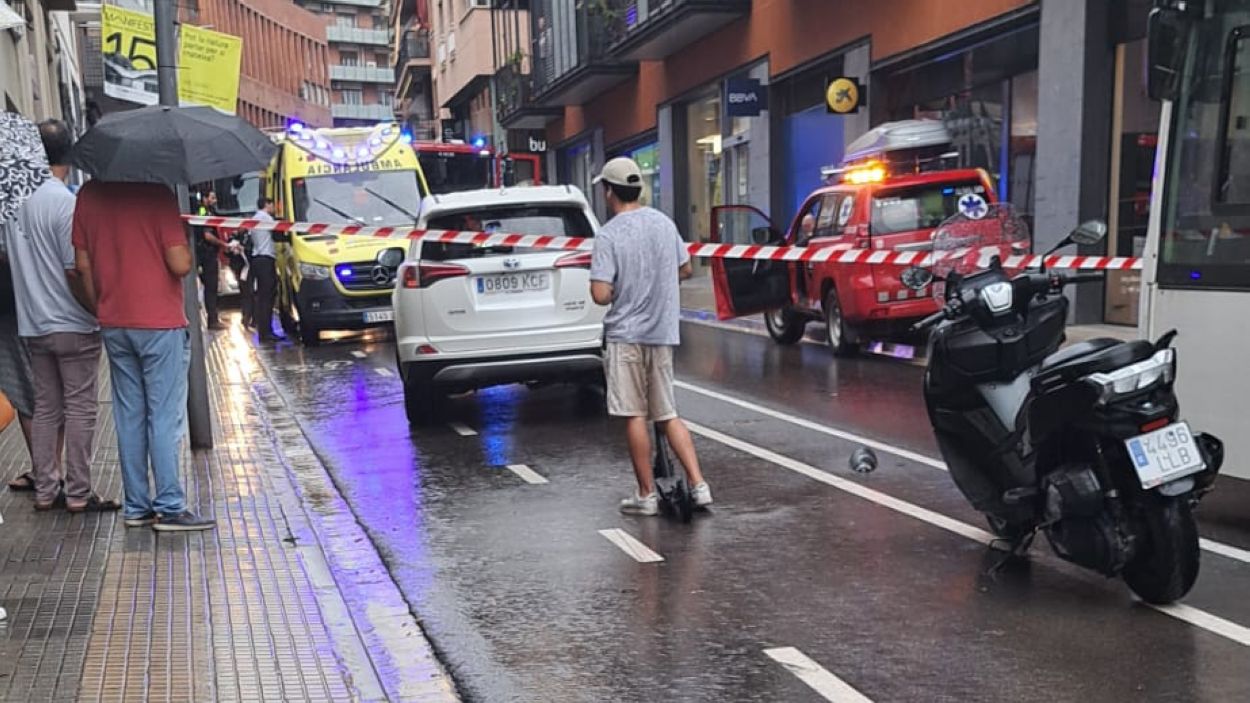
(1157, 370)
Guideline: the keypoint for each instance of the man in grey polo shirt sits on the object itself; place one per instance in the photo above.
(54, 321)
(638, 260)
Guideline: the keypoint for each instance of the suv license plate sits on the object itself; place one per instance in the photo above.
(508, 283)
(1164, 455)
(380, 316)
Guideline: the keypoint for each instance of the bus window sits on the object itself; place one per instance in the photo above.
(1205, 239)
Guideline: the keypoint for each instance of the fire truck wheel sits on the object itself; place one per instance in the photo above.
(784, 325)
(842, 338)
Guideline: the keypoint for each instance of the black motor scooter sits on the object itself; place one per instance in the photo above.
(1083, 443)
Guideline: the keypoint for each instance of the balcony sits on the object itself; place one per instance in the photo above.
(372, 113)
(654, 29)
(515, 104)
(358, 35)
(356, 3)
(414, 52)
(571, 57)
(362, 74)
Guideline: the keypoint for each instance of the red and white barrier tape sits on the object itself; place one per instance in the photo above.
(838, 254)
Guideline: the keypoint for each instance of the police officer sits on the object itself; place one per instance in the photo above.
(208, 254)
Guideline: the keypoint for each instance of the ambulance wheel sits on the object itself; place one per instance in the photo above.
(784, 325)
(842, 338)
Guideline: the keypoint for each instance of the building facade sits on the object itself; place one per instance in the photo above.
(38, 60)
(1046, 96)
(362, 77)
(414, 89)
(460, 31)
(287, 62)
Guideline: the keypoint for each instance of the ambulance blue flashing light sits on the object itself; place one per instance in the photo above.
(479, 142)
(295, 127)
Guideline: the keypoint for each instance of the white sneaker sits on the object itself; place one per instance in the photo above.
(3, 615)
(641, 505)
(702, 494)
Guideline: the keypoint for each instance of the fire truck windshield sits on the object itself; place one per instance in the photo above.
(452, 172)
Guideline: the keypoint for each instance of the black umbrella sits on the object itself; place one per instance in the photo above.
(171, 145)
(23, 164)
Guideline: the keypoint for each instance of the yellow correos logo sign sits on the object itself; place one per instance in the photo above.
(843, 95)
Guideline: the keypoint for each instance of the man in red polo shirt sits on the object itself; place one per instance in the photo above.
(131, 251)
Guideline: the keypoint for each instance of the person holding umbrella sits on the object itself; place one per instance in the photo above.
(132, 253)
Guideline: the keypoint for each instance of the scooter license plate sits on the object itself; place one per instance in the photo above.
(1165, 455)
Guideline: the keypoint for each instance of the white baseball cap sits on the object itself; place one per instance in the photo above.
(621, 171)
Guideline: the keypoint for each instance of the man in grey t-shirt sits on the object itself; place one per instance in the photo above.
(55, 321)
(639, 258)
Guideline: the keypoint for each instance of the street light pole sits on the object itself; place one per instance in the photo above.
(199, 418)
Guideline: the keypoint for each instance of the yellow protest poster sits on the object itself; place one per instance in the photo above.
(209, 65)
(208, 61)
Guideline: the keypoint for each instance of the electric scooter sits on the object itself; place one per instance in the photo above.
(676, 498)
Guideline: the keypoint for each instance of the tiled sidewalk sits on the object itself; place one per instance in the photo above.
(270, 606)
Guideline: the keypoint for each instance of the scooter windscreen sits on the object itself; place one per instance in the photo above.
(969, 241)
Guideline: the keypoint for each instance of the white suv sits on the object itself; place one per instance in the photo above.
(468, 316)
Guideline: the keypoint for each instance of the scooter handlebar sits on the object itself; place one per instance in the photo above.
(930, 321)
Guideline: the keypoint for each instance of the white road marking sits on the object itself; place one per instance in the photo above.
(382, 371)
(639, 551)
(526, 473)
(830, 687)
(1212, 546)
(1193, 616)
(814, 426)
(462, 429)
(359, 354)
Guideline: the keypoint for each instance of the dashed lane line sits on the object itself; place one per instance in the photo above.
(384, 372)
(830, 687)
(640, 552)
(1224, 550)
(527, 474)
(359, 354)
(462, 429)
(1198, 618)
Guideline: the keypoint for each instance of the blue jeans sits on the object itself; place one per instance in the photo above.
(149, 370)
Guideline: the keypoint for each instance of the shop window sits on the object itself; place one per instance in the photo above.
(704, 180)
(648, 159)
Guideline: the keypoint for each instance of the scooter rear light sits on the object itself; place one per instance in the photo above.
(1155, 425)
(580, 260)
(425, 274)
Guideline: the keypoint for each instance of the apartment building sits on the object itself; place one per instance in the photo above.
(39, 59)
(362, 77)
(414, 90)
(460, 31)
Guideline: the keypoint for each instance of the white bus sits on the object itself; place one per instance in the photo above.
(1196, 276)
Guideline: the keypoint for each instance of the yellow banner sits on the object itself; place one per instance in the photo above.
(208, 61)
(209, 65)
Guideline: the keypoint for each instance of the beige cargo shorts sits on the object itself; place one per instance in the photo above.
(640, 381)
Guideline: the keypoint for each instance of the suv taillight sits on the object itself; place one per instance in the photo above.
(580, 260)
(427, 273)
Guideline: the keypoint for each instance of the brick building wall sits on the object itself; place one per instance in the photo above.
(285, 59)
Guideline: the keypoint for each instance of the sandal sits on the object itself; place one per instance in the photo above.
(94, 504)
(23, 482)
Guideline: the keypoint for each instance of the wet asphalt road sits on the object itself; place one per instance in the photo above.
(526, 600)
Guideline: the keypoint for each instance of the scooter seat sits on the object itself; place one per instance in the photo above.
(1084, 358)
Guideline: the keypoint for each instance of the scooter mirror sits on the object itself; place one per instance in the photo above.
(916, 278)
(1089, 232)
